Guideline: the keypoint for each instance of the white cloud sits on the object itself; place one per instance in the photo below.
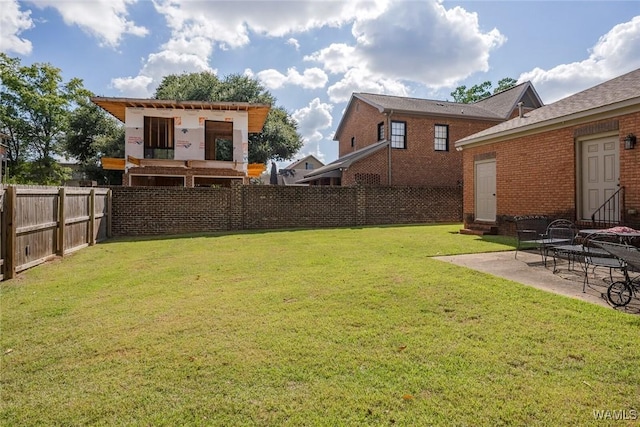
(311, 78)
(293, 42)
(13, 22)
(313, 118)
(197, 28)
(337, 58)
(411, 42)
(224, 22)
(134, 87)
(156, 67)
(614, 54)
(426, 43)
(360, 80)
(104, 19)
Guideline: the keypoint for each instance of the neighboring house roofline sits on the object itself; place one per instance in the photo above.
(335, 168)
(605, 99)
(304, 159)
(506, 101)
(495, 107)
(117, 107)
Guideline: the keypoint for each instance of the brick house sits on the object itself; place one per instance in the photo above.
(184, 143)
(399, 141)
(576, 159)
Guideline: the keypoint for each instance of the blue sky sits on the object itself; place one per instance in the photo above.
(312, 55)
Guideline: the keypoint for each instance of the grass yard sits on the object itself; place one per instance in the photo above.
(354, 326)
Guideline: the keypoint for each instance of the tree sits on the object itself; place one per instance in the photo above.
(504, 84)
(279, 139)
(34, 112)
(92, 134)
(480, 91)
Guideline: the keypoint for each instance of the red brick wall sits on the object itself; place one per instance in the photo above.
(375, 164)
(536, 174)
(630, 167)
(178, 210)
(417, 165)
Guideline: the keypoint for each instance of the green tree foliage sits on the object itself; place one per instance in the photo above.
(480, 91)
(92, 134)
(504, 84)
(279, 139)
(34, 112)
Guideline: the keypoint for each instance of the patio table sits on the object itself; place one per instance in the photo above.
(623, 236)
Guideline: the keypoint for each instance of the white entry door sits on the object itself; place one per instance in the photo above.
(485, 190)
(600, 175)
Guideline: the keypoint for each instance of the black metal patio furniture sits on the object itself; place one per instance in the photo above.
(596, 257)
(560, 232)
(530, 230)
(619, 293)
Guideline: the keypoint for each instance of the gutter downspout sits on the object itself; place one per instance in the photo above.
(388, 132)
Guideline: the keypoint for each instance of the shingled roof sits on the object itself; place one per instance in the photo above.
(334, 169)
(621, 92)
(495, 107)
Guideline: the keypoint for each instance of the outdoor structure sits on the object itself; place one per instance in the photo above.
(399, 141)
(295, 171)
(185, 143)
(577, 159)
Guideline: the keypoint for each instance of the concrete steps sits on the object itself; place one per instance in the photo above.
(480, 229)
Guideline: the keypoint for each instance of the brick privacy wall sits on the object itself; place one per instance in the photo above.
(536, 174)
(267, 207)
(141, 211)
(405, 205)
(417, 165)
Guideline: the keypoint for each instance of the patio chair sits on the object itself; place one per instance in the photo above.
(560, 233)
(596, 257)
(530, 230)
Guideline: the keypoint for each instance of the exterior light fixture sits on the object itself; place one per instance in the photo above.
(629, 142)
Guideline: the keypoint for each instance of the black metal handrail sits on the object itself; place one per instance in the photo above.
(611, 212)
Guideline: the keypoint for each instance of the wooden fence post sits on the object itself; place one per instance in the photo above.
(92, 217)
(10, 237)
(61, 222)
(108, 201)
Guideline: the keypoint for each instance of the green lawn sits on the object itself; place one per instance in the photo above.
(354, 326)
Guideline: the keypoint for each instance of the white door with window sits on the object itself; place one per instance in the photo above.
(600, 176)
(485, 190)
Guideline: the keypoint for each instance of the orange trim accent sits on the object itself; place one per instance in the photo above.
(111, 163)
(255, 169)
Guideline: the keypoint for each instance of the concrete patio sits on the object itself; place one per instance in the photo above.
(529, 269)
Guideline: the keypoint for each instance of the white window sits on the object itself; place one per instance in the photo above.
(441, 140)
(398, 135)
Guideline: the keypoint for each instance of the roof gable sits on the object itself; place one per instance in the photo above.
(309, 158)
(503, 103)
(620, 91)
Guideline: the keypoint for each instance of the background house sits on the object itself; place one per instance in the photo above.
(293, 172)
(184, 143)
(576, 159)
(390, 140)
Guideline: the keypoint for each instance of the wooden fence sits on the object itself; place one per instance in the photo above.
(39, 223)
